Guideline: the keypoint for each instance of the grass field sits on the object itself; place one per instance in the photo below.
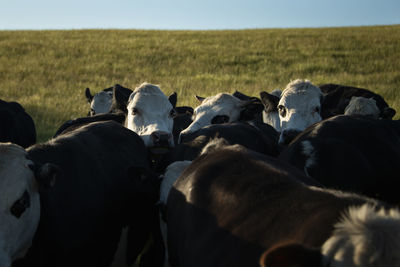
(48, 71)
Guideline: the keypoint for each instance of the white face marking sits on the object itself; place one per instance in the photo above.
(364, 237)
(362, 106)
(272, 118)
(299, 106)
(101, 102)
(220, 104)
(16, 180)
(149, 111)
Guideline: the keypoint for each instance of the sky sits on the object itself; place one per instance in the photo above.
(195, 15)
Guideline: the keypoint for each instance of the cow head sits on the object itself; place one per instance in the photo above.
(151, 115)
(359, 105)
(221, 108)
(19, 202)
(270, 112)
(100, 102)
(298, 108)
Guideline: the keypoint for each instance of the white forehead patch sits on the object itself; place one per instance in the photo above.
(220, 104)
(101, 102)
(359, 105)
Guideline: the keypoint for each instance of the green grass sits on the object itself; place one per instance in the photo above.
(47, 71)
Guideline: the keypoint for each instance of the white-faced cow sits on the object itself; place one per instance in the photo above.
(101, 184)
(16, 126)
(103, 101)
(353, 153)
(231, 204)
(337, 98)
(299, 107)
(151, 116)
(359, 105)
(222, 108)
(19, 203)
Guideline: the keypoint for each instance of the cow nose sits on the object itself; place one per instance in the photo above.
(287, 136)
(161, 139)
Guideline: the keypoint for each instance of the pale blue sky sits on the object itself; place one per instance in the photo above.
(190, 14)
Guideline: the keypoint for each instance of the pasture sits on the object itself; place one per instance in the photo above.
(48, 71)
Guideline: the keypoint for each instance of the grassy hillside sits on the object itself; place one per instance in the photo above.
(47, 71)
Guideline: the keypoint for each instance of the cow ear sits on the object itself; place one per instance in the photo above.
(88, 95)
(119, 100)
(291, 255)
(269, 101)
(200, 99)
(173, 98)
(387, 113)
(45, 174)
(250, 109)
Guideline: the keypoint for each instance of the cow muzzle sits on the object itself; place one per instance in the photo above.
(161, 142)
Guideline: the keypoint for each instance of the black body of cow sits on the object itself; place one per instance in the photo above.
(353, 153)
(232, 204)
(257, 136)
(71, 125)
(16, 125)
(254, 110)
(337, 97)
(102, 184)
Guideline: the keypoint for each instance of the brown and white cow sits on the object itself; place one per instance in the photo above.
(231, 204)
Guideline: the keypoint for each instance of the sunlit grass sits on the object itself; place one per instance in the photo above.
(47, 71)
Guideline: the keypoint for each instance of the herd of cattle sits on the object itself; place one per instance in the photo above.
(307, 176)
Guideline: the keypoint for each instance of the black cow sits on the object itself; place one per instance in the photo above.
(354, 153)
(102, 184)
(257, 136)
(231, 204)
(16, 126)
(337, 97)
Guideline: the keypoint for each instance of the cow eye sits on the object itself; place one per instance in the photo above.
(316, 109)
(134, 111)
(219, 119)
(173, 113)
(282, 111)
(21, 205)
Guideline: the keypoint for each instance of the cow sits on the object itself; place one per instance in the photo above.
(270, 114)
(257, 136)
(222, 108)
(360, 105)
(16, 125)
(337, 98)
(71, 125)
(298, 107)
(103, 101)
(230, 205)
(19, 202)
(101, 184)
(353, 153)
(150, 114)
